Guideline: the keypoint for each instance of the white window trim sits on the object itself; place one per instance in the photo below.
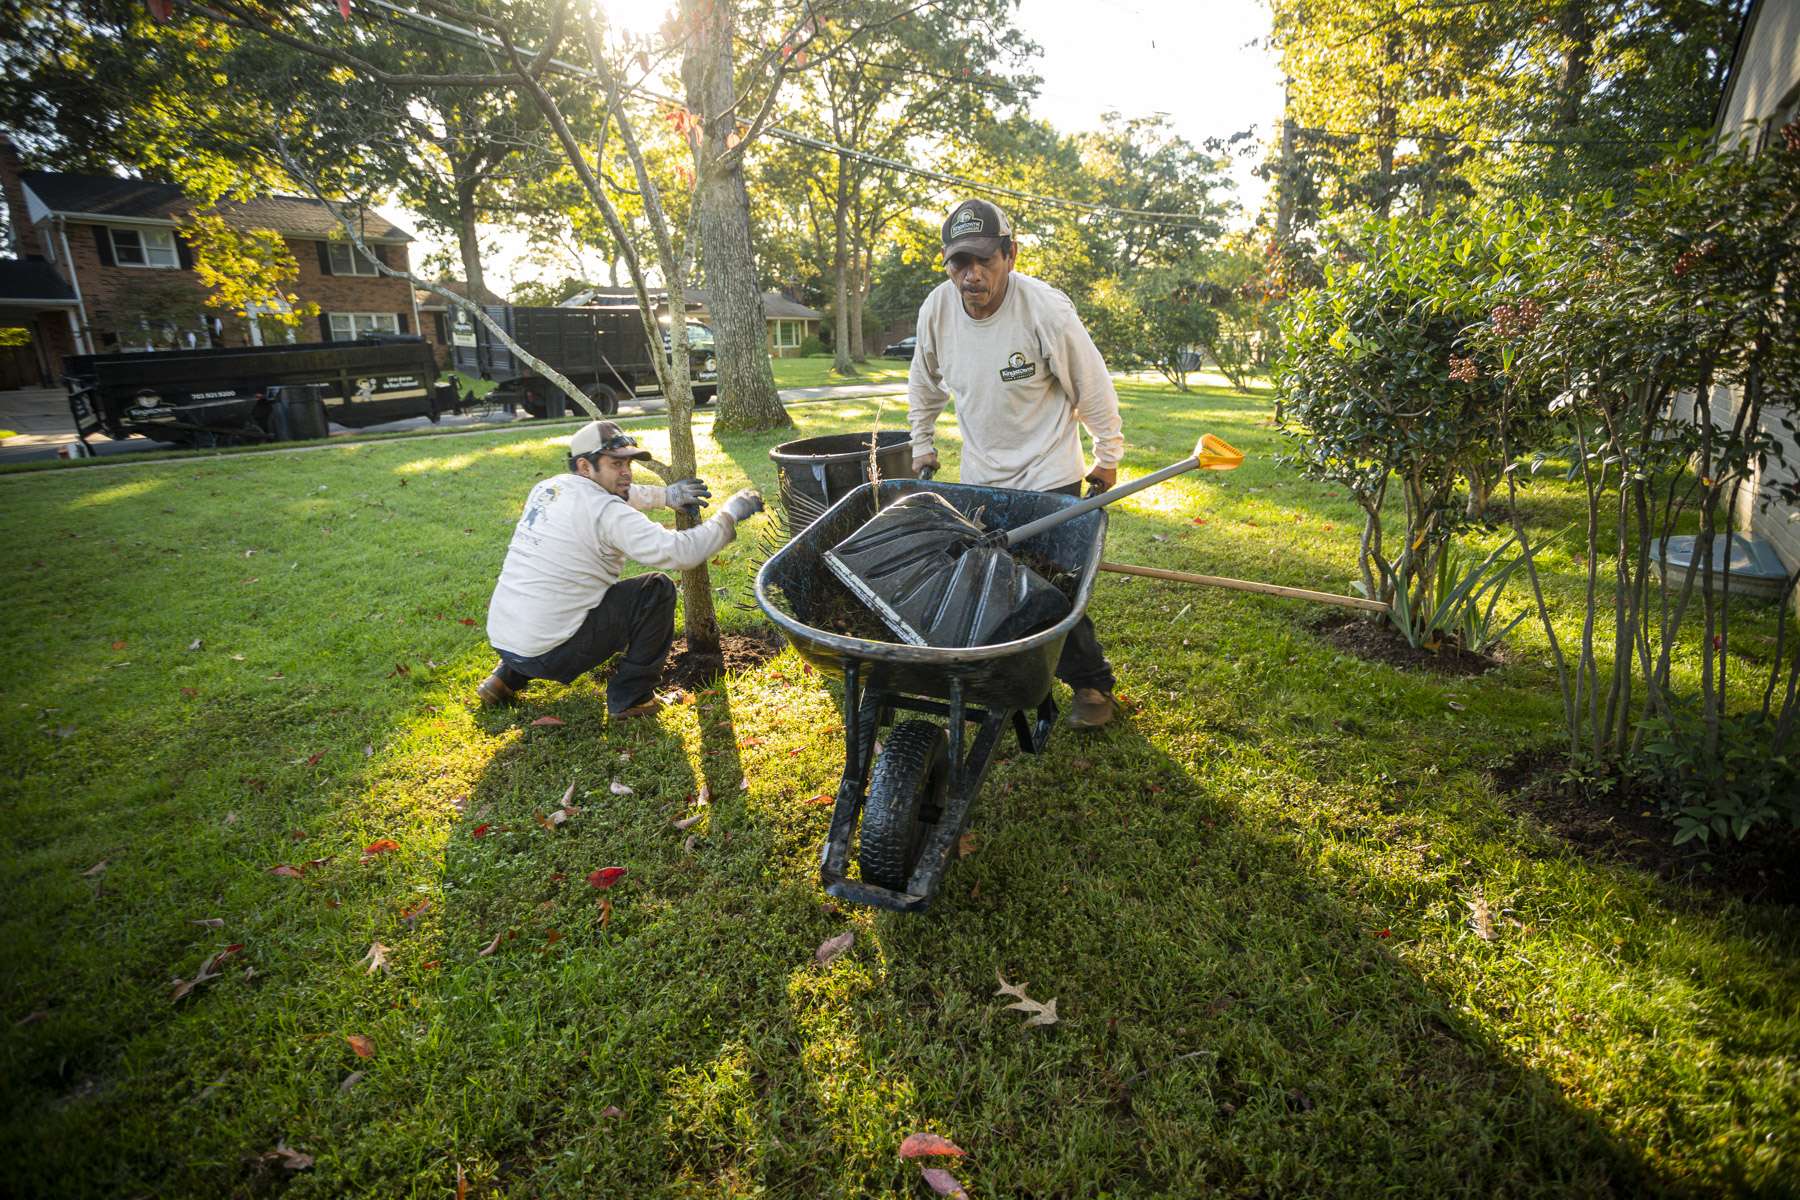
(783, 328)
(354, 263)
(351, 318)
(144, 236)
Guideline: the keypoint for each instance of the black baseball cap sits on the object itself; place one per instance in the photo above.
(975, 227)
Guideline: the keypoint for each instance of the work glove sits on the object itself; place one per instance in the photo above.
(744, 505)
(1101, 478)
(687, 493)
(925, 465)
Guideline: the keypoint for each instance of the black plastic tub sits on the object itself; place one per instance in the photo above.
(817, 472)
(795, 584)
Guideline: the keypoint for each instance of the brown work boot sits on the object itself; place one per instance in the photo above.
(1092, 709)
(648, 706)
(495, 691)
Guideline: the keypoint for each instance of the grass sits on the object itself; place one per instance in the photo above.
(817, 372)
(1250, 898)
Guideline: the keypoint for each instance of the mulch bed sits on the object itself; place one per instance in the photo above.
(1378, 641)
(1626, 827)
(742, 651)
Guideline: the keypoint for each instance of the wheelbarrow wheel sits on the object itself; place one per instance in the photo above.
(906, 798)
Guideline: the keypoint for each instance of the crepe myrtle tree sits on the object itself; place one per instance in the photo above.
(529, 65)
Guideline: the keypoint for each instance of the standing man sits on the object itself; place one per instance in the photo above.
(1024, 372)
(560, 607)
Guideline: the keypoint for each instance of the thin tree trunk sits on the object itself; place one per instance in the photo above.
(840, 268)
(469, 242)
(747, 396)
(859, 295)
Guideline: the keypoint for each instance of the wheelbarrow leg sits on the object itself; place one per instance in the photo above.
(862, 717)
(1034, 734)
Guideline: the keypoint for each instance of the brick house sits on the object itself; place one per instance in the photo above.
(127, 278)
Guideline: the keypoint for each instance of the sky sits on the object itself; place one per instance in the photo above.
(1199, 62)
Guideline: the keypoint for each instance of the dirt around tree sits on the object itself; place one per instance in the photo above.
(1378, 641)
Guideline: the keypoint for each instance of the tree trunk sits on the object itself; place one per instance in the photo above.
(840, 268)
(747, 396)
(469, 242)
(859, 295)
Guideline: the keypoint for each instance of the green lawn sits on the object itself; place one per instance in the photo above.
(1250, 899)
(817, 372)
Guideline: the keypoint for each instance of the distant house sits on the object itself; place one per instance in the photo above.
(115, 274)
(1762, 94)
(790, 322)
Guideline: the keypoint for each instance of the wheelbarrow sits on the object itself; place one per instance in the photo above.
(908, 806)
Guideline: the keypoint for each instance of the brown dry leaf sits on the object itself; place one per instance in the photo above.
(1480, 918)
(412, 914)
(942, 1182)
(32, 1018)
(605, 912)
(918, 1145)
(287, 871)
(548, 721)
(555, 819)
(1040, 1013)
(965, 845)
(210, 922)
(363, 1046)
(620, 789)
(491, 946)
(119, 645)
(376, 958)
(744, 784)
(689, 844)
(688, 822)
(612, 1111)
(290, 1159)
(96, 869)
(568, 796)
(462, 1184)
(831, 947)
(350, 1081)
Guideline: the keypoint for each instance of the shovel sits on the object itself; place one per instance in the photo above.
(936, 578)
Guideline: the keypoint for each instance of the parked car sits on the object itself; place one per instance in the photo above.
(902, 349)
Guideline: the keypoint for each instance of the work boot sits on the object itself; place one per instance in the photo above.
(495, 691)
(648, 706)
(1092, 709)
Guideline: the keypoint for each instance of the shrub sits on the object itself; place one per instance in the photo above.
(812, 347)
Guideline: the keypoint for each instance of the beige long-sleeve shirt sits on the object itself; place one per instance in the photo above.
(1023, 379)
(569, 546)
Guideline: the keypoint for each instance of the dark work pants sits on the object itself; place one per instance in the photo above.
(1083, 663)
(636, 616)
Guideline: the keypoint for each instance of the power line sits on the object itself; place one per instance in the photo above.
(489, 42)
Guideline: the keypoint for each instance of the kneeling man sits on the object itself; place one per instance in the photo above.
(560, 607)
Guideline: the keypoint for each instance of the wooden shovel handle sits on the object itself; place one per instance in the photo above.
(1246, 585)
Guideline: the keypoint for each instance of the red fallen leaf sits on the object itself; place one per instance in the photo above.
(917, 1145)
(1382, 933)
(557, 877)
(466, 621)
(399, 669)
(481, 830)
(332, 903)
(821, 798)
(412, 914)
(462, 1184)
(287, 871)
(363, 1046)
(1718, 642)
(119, 645)
(189, 693)
(433, 965)
(605, 877)
(552, 937)
(548, 721)
(491, 946)
(943, 1183)
(381, 846)
(605, 912)
(312, 760)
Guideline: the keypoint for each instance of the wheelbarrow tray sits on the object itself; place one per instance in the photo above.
(990, 686)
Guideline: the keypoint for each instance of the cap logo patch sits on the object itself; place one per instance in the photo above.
(967, 222)
(1017, 368)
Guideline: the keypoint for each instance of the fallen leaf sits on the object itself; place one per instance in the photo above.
(287, 871)
(917, 1145)
(942, 1182)
(412, 914)
(605, 877)
(118, 645)
(433, 965)
(380, 846)
(567, 797)
(688, 845)
(1480, 918)
(552, 937)
(821, 799)
(376, 958)
(744, 784)
(965, 845)
(491, 946)
(688, 822)
(551, 822)
(619, 789)
(350, 1081)
(312, 760)
(32, 1018)
(605, 912)
(557, 877)
(466, 621)
(705, 796)
(210, 922)
(97, 869)
(363, 1046)
(749, 742)
(831, 947)
(188, 693)
(462, 1184)
(368, 751)
(195, 644)
(399, 669)
(611, 1110)
(481, 830)
(290, 1160)
(1041, 1013)
(548, 721)
(237, 658)
(319, 862)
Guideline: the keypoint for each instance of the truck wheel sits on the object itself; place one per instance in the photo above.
(906, 799)
(605, 398)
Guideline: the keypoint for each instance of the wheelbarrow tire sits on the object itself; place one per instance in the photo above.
(906, 798)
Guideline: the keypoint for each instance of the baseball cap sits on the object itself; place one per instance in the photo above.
(975, 226)
(604, 437)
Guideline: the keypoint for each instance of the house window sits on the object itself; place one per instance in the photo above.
(144, 248)
(787, 334)
(348, 260)
(349, 326)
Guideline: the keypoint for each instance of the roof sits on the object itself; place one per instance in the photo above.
(24, 279)
(775, 305)
(431, 300)
(144, 200)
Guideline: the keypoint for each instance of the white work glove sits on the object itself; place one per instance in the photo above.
(744, 505)
(687, 493)
(925, 465)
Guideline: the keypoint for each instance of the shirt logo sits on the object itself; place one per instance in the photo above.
(968, 221)
(1017, 368)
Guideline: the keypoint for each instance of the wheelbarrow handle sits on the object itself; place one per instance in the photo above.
(1210, 452)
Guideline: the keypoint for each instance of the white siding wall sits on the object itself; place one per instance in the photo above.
(1769, 67)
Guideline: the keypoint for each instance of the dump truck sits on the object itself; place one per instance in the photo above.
(602, 350)
(253, 394)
